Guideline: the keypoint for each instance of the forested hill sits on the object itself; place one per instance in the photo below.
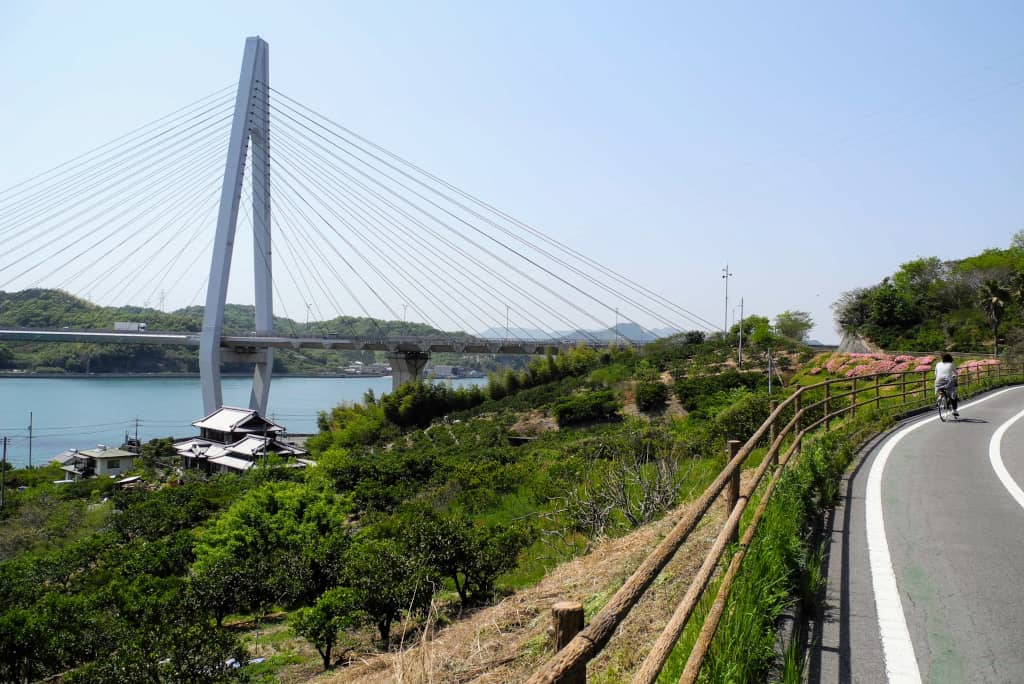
(39, 308)
(57, 309)
(967, 304)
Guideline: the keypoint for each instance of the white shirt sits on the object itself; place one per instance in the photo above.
(944, 372)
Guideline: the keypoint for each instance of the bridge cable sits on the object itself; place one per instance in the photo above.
(425, 244)
(381, 232)
(99, 148)
(477, 215)
(387, 259)
(166, 165)
(534, 231)
(461, 235)
(476, 229)
(79, 185)
(311, 249)
(188, 203)
(278, 209)
(167, 191)
(434, 233)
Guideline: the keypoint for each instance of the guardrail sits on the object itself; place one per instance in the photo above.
(826, 406)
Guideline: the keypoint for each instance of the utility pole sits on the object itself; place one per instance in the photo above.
(137, 445)
(29, 439)
(508, 332)
(726, 275)
(739, 352)
(616, 325)
(769, 372)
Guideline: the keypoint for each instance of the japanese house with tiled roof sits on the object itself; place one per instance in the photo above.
(233, 440)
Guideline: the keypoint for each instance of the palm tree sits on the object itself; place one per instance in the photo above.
(994, 296)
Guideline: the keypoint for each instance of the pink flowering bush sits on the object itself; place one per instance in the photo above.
(858, 365)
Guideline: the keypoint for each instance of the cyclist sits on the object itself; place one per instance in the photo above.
(945, 378)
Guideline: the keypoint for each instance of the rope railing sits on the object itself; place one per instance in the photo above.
(893, 393)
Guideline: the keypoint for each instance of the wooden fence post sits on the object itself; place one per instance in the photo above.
(567, 618)
(878, 396)
(903, 386)
(924, 385)
(796, 427)
(732, 490)
(853, 399)
(828, 415)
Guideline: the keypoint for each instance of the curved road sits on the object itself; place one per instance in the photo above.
(926, 566)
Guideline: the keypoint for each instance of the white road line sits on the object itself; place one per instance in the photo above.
(897, 648)
(996, 458)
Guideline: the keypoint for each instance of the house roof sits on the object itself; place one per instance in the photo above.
(232, 462)
(231, 419)
(253, 445)
(192, 445)
(106, 452)
(65, 456)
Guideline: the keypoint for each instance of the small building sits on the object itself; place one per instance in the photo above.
(233, 440)
(103, 461)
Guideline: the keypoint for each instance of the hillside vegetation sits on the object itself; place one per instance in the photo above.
(55, 309)
(426, 504)
(967, 304)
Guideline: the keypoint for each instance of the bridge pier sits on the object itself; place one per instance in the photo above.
(406, 367)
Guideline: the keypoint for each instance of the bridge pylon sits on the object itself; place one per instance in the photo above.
(250, 126)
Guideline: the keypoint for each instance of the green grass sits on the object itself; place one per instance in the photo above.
(778, 564)
(269, 670)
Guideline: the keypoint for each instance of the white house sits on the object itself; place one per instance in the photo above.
(103, 461)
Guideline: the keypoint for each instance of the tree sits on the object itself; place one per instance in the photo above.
(1017, 241)
(471, 556)
(794, 324)
(6, 357)
(287, 536)
(994, 296)
(220, 585)
(388, 580)
(335, 611)
(761, 334)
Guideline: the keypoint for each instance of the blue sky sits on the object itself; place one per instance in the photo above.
(813, 147)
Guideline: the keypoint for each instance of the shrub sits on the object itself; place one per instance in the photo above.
(691, 389)
(651, 396)
(586, 407)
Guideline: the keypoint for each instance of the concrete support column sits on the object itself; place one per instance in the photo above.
(407, 367)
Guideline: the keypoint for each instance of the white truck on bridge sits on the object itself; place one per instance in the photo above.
(129, 326)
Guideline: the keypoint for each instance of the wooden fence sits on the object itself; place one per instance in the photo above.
(825, 406)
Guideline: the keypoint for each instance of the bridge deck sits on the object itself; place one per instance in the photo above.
(252, 342)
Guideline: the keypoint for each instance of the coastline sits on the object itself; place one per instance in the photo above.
(143, 376)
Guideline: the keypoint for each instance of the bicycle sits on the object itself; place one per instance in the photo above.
(944, 404)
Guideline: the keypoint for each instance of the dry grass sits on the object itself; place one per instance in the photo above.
(533, 423)
(507, 641)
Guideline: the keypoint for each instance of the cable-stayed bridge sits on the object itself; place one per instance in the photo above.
(341, 227)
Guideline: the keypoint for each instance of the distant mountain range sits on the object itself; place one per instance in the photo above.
(627, 332)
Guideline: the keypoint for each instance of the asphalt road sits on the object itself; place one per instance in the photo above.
(926, 566)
